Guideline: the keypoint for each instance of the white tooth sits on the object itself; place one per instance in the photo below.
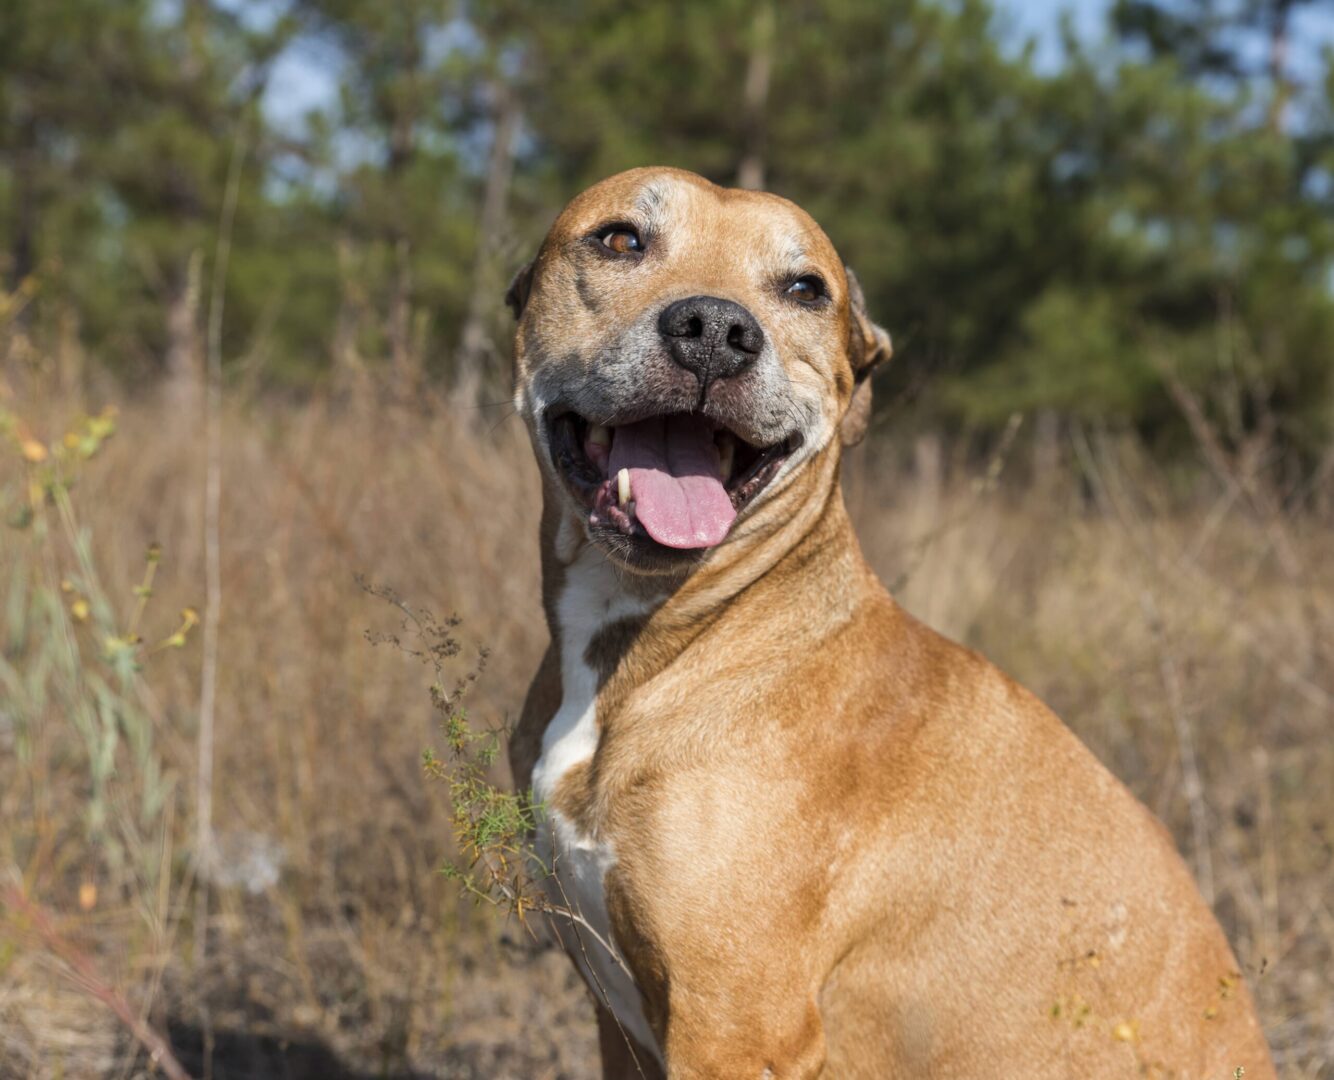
(623, 486)
(599, 435)
(726, 454)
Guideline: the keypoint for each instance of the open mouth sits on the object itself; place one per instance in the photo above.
(678, 480)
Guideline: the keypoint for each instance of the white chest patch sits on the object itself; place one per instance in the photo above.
(591, 599)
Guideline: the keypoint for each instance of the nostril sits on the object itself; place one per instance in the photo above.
(743, 338)
(695, 327)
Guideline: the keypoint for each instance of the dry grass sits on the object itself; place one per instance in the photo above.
(1163, 628)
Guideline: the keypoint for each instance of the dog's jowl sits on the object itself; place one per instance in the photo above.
(803, 835)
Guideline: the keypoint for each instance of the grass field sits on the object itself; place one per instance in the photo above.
(1179, 621)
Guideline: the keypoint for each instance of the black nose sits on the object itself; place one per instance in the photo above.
(711, 337)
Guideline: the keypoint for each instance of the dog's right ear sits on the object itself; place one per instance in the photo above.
(516, 296)
(869, 346)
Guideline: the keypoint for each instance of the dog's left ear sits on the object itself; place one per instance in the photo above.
(868, 347)
(516, 296)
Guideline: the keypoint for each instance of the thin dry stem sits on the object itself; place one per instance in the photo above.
(83, 973)
(208, 687)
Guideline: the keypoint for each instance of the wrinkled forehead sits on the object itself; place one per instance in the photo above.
(684, 214)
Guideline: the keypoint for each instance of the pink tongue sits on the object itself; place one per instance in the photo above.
(675, 480)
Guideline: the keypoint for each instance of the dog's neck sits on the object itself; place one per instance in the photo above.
(801, 542)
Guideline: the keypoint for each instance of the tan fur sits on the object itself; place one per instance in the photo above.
(847, 847)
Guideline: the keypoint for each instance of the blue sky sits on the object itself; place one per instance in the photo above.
(1041, 19)
(1312, 27)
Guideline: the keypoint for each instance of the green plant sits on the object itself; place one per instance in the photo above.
(498, 863)
(72, 654)
(492, 827)
(73, 664)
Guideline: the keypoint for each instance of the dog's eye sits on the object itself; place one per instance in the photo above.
(621, 239)
(807, 289)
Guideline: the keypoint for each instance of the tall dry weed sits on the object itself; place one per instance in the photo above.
(1164, 627)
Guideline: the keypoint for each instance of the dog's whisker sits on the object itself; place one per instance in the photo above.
(508, 416)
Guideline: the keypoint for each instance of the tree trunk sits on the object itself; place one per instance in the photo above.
(928, 462)
(349, 367)
(486, 288)
(750, 173)
(69, 354)
(1279, 88)
(403, 358)
(1046, 450)
(184, 348)
(23, 248)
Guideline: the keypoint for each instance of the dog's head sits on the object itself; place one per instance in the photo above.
(683, 352)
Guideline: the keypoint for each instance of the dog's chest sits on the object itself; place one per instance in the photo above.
(590, 600)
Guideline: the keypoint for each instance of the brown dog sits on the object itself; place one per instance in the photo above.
(821, 839)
